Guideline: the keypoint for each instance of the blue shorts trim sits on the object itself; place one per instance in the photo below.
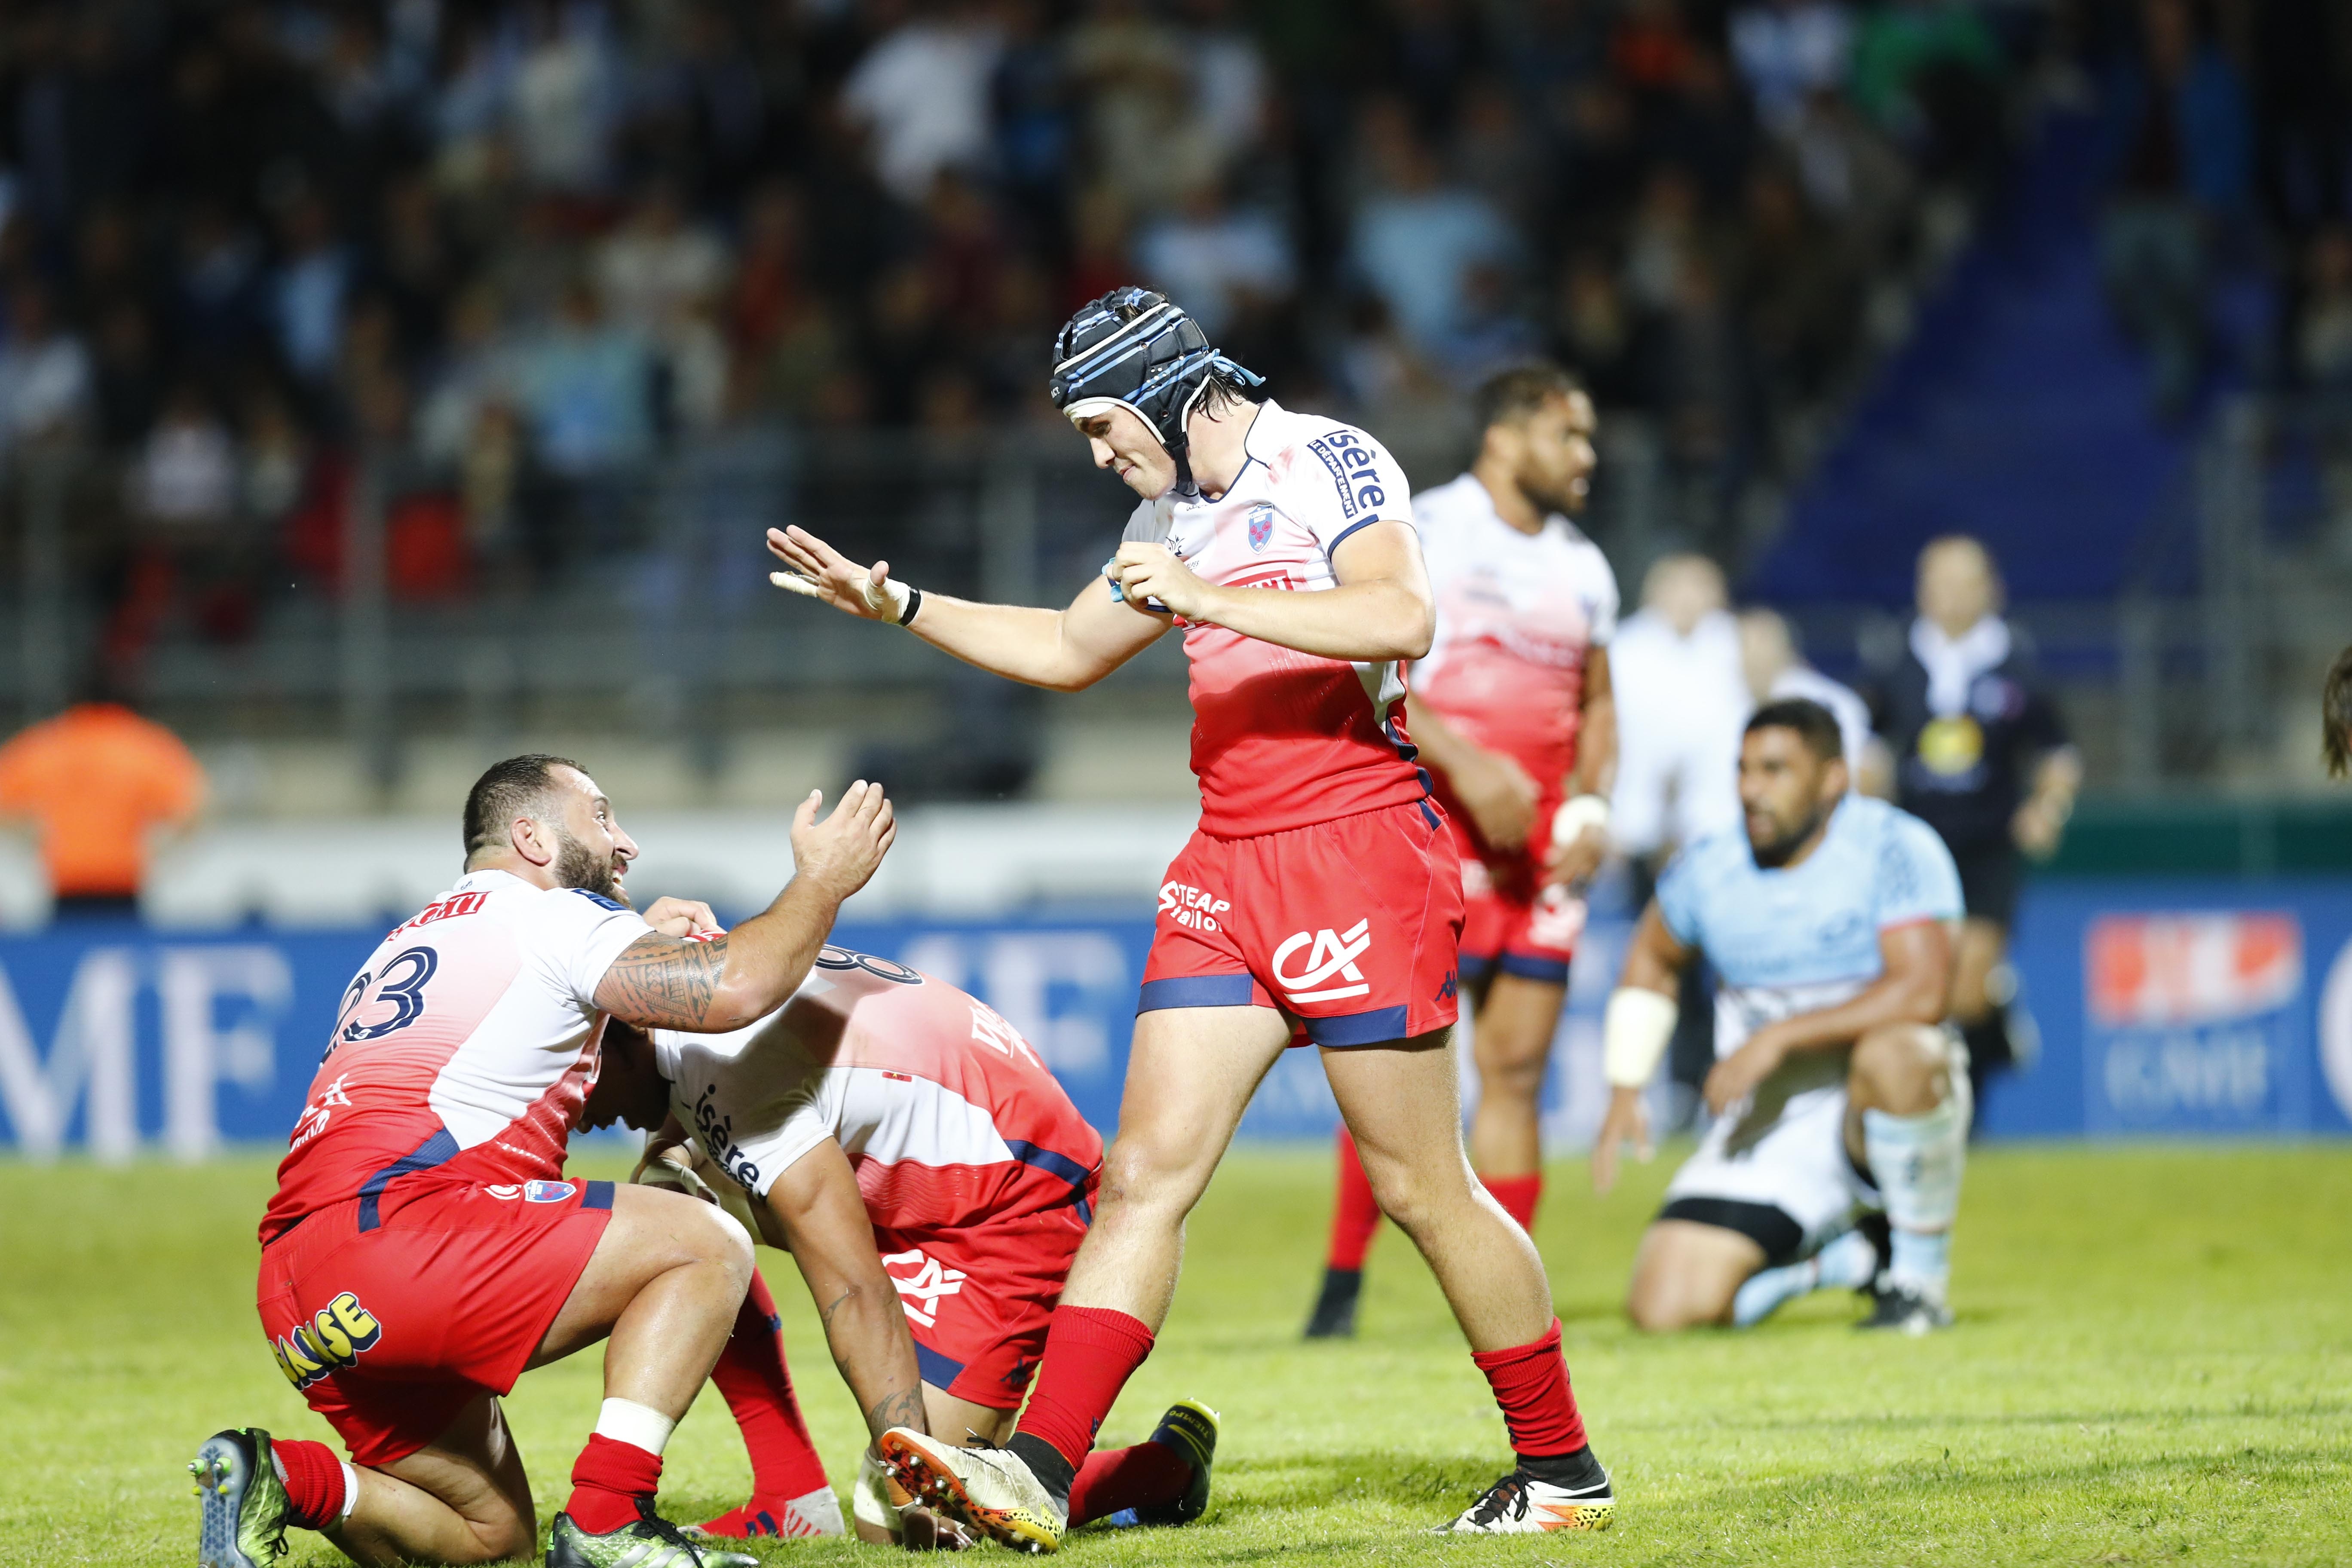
(1374, 1028)
(936, 1369)
(437, 1149)
(1198, 991)
(1527, 966)
(598, 1196)
(1062, 1165)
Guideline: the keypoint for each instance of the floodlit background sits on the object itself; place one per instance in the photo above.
(389, 388)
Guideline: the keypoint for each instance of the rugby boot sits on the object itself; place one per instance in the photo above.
(1190, 1428)
(815, 1514)
(1520, 1504)
(990, 1490)
(1335, 1306)
(1906, 1308)
(243, 1522)
(647, 1540)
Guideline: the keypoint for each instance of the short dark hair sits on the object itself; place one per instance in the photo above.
(2336, 716)
(506, 789)
(1516, 393)
(1814, 724)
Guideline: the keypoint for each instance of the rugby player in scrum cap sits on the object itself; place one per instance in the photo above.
(424, 1249)
(911, 1149)
(1321, 894)
(1512, 712)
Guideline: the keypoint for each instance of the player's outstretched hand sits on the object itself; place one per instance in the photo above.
(1627, 1122)
(841, 853)
(816, 569)
(681, 918)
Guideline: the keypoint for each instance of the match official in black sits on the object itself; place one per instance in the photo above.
(1982, 757)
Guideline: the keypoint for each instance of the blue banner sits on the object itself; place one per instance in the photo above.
(2163, 1009)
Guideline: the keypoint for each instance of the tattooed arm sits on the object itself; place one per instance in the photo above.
(668, 983)
(823, 1214)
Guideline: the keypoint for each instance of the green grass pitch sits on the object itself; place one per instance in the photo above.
(2153, 1363)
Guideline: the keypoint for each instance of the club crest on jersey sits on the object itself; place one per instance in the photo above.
(547, 1192)
(920, 1295)
(1261, 525)
(335, 1337)
(1332, 957)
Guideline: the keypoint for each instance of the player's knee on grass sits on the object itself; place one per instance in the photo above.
(1903, 1070)
(1686, 1276)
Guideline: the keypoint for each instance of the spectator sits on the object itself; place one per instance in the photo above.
(308, 291)
(1417, 239)
(2323, 358)
(1787, 50)
(1774, 669)
(1981, 755)
(1145, 133)
(95, 783)
(659, 270)
(563, 99)
(923, 93)
(2182, 170)
(186, 480)
(1216, 261)
(1681, 699)
(587, 387)
(45, 375)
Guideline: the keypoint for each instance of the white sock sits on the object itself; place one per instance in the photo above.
(641, 1426)
(1917, 1162)
(1846, 1262)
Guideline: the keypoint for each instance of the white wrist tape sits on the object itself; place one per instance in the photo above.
(889, 601)
(869, 1501)
(1634, 1035)
(1568, 823)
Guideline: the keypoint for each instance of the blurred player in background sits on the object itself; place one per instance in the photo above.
(1512, 713)
(1775, 670)
(1982, 756)
(909, 1149)
(422, 1249)
(1837, 1091)
(1321, 892)
(2335, 717)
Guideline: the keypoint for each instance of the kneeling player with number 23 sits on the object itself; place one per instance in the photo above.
(933, 1182)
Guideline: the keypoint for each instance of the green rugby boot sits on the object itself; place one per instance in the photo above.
(1190, 1428)
(243, 1521)
(647, 1540)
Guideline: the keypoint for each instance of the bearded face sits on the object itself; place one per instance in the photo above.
(577, 866)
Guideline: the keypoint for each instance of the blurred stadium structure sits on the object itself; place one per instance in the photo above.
(390, 385)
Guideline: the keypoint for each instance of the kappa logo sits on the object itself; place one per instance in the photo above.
(1261, 525)
(1332, 957)
(336, 1336)
(920, 1295)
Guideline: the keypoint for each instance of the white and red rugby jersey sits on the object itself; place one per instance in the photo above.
(1517, 615)
(946, 1114)
(1280, 739)
(464, 1046)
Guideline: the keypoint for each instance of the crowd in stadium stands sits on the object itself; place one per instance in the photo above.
(527, 244)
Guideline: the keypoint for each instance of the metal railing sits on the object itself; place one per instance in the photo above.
(636, 601)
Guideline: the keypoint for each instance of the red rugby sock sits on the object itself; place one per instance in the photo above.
(314, 1482)
(1090, 1352)
(1127, 1477)
(1518, 1195)
(759, 1389)
(1530, 1383)
(607, 1480)
(1356, 1216)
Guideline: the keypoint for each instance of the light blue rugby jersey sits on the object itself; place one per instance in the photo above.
(1797, 941)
